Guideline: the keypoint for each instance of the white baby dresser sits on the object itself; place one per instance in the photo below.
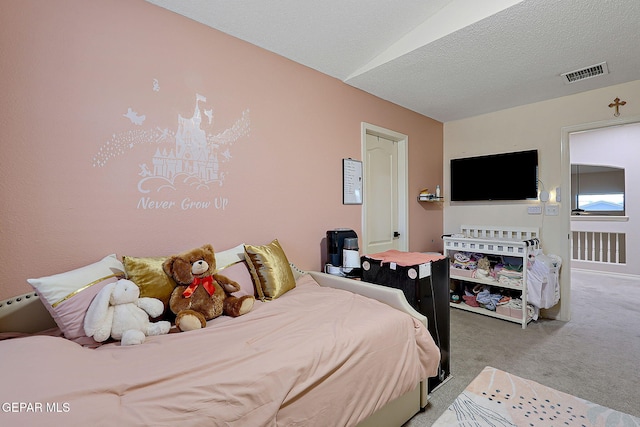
(503, 249)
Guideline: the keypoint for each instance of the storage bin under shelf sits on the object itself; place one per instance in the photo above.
(480, 310)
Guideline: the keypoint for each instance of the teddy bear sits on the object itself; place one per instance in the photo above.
(202, 294)
(118, 312)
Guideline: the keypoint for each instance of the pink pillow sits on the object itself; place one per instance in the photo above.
(69, 314)
(67, 295)
(239, 272)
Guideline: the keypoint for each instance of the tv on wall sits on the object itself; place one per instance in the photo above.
(505, 176)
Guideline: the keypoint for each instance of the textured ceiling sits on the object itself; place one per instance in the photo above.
(446, 59)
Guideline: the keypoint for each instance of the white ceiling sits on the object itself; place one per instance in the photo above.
(446, 59)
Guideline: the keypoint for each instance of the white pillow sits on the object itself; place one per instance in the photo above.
(59, 286)
(229, 257)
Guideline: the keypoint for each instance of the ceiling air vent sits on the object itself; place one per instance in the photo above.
(585, 73)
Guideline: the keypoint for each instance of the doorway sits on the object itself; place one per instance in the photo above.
(385, 222)
(567, 132)
(604, 187)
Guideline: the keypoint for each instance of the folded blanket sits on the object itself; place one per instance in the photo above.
(405, 259)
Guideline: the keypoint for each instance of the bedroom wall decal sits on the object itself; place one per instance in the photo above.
(189, 162)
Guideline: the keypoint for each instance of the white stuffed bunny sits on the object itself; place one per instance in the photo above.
(117, 312)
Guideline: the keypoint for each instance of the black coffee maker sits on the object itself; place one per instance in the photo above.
(343, 258)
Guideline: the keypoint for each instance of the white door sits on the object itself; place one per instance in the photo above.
(384, 222)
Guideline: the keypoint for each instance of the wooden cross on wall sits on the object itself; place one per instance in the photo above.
(617, 104)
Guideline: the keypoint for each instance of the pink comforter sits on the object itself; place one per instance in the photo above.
(314, 357)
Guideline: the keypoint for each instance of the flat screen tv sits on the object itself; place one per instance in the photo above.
(505, 176)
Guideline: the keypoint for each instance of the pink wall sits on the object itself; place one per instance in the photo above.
(71, 171)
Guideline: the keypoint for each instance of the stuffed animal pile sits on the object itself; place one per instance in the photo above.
(118, 312)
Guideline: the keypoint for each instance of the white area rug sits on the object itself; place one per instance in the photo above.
(497, 398)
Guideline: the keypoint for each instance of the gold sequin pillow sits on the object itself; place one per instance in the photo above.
(270, 270)
(148, 274)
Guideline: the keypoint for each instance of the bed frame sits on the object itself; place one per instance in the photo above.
(25, 313)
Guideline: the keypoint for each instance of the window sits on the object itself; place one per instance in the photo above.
(613, 202)
(597, 190)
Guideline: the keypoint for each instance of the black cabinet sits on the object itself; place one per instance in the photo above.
(426, 287)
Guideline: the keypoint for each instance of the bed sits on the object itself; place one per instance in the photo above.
(330, 351)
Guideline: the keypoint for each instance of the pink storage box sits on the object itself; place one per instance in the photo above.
(504, 309)
(460, 272)
(516, 312)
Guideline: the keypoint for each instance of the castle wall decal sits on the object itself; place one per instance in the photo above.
(187, 158)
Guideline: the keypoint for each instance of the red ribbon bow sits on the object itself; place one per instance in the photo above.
(207, 282)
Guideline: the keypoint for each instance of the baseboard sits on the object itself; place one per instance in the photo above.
(607, 273)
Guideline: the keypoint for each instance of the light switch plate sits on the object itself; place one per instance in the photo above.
(534, 210)
(552, 210)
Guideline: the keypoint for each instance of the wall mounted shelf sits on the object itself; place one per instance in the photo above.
(431, 199)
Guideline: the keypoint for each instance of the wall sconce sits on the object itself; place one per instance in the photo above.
(544, 196)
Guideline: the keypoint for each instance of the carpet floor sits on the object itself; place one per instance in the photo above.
(594, 356)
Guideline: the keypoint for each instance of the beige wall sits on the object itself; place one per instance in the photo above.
(77, 176)
(545, 126)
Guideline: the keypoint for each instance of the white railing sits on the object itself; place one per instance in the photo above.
(499, 233)
(599, 246)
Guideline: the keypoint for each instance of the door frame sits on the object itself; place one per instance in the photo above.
(403, 180)
(565, 208)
